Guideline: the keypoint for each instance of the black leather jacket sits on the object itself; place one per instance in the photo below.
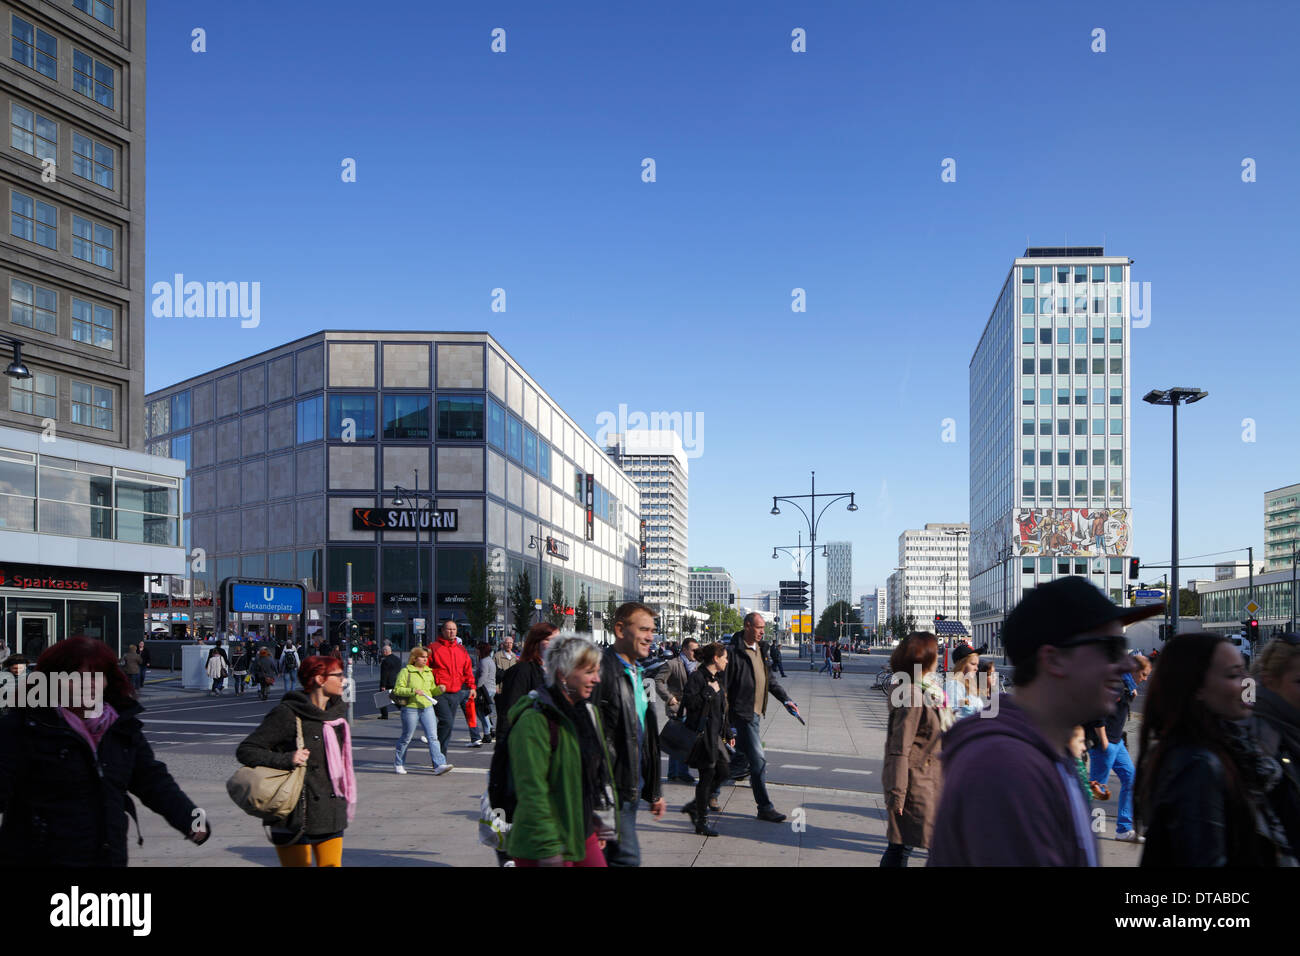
(616, 699)
(1193, 820)
(740, 681)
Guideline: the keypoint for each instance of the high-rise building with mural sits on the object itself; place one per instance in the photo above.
(1050, 431)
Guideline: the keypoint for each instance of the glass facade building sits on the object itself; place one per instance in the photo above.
(1049, 436)
(283, 446)
(1281, 527)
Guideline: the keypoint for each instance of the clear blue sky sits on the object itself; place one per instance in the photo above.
(775, 170)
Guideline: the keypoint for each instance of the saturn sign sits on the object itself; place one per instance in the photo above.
(404, 519)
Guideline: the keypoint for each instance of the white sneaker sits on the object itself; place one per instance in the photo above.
(1130, 836)
(423, 739)
(439, 771)
(476, 743)
(398, 768)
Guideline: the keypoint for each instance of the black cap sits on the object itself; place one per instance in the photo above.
(1054, 612)
(964, 650)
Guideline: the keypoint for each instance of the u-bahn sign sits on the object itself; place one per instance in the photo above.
(404, 519)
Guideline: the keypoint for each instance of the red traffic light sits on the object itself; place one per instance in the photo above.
(1133, 565)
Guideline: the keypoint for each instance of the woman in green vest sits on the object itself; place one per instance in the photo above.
(415, 691)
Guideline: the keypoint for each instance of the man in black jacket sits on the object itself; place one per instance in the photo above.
(631, 730)
(390, 665)
(749, 681)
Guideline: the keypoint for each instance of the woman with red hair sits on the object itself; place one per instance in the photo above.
(314, 831)
(65, 771)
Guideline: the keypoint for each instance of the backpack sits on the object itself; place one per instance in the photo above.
(498, 802)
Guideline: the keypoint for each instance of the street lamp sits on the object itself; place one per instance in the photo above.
(813, 517)
(957, 533)
(796, 551)
(417, 496)
(1172, 397)
(16, 368)
(535, 541)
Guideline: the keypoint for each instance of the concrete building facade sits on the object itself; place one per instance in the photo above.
(839, 572)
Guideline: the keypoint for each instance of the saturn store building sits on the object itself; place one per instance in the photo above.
(409, 456)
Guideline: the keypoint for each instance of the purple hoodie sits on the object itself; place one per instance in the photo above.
(1009, 799)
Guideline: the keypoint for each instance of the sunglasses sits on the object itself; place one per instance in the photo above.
(335, 674)
(1115, 647)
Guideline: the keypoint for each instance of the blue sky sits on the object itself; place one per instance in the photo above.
(775, 170)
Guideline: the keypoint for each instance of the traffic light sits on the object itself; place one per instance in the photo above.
(731, 599)
(1252, 631)
(940, 617)
(1133, 565)
(354, 636)
(1164, 632)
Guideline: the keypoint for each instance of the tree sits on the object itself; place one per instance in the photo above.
(1189, 603)
(689, 624)
(555, 613)
(828, 628)
(610, 610)
(520, 599)
(724, 620)
(481, 608)
(582, 615)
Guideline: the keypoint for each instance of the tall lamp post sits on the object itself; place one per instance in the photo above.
(416, 496)
(958, 533)
(796, 551)
(813, 517)
(1173, 397)
(535, 541)
(1005, 554)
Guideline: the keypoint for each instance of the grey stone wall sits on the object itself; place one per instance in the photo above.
(352, 365)
(227, 395)
(279, 384)
(228, 440)
(280, 472)
(252, 387)
(311, 521)
(253, 521)
(311, 368)
(201, 447)
(201, 403)
(281, 428)
(253, 476)
(460, 469)
(351, 466)
(460, 366)
(311, 470)
(406, 366)
(252, 433)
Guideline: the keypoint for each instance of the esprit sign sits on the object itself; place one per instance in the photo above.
(58, 584)
(404, 519)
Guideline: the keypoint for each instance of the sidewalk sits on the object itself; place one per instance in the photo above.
(420, 820)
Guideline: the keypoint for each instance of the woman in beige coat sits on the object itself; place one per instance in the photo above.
(918, 716)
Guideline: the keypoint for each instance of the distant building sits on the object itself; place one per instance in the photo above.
(1281, 526)
(839, 572)
(1228, 570)
(712, 584)
(934, 578)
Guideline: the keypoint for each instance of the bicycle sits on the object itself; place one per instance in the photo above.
(884, 677)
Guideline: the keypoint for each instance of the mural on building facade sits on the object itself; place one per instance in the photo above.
(1083, 532)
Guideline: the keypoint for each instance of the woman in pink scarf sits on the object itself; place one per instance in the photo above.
(313, 834)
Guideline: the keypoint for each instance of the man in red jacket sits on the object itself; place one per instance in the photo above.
(453, 670)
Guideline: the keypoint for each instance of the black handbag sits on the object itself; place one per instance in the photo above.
(679, 740)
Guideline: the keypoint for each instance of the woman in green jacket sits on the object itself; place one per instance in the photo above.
(566, 806)
(414, 691)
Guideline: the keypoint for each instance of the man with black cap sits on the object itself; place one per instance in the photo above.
(1010, 791)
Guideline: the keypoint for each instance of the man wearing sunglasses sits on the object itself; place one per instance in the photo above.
(1010, 791)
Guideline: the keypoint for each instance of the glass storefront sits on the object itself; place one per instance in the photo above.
(42, 605)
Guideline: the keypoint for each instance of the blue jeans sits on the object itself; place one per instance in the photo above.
(826, 666)
(626, 851)
(1116, 757)
(677, 768)
(424, 718)
(749, 754)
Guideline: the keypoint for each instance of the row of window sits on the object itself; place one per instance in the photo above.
(101, 10)
(1080, 456)
(38, 222)
(1099, 488)
(1063, 274)
(507, 433)
(1044, 565)
(1063, 365)
(1060, 304)
(39, 51)
(92, 405)
(38, 136)
(1080, 426)
(1063, 396)
(1080, 336)
(36, 307)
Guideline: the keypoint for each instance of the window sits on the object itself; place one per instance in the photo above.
(460, 418)
(530, 449)
(1027, 426)
(1063, 487)
(1027, 336)
(1116, 565)
(92, 324)
(1116, 273)
(1062, 456)
(1045, 426)
(32, 133)
(1081, 396)
(1081, 487)
(1026, 456)
(1063, 338)
(157, 419)
(181, 449)
(1045, 366)
(1044, 305)
(406, 417)
(92, 242)
(1027, 305)
(1080, 336)
(1062, 366)
(1062, 566)
(355, 413)
(1026, 396)
(1063, 396)
(1027, 366)
(1099, 426)
(1062, 275)
(310, 419)
(543, 460)
(1116, 366)
(1045, 456)
(101, 10)
(1099, 366)
(514, 438)
(1081, 456)
(33, 220)
(1044, 396)
(37, 395)
(1044, 273)
(1117, 456)
(1062, 426)
(92, 78)
(496, 426)
(92, 405)
(1080, 304)
(1081, 426)
(181, 410)
(1098, 273)
(1098, 336)
(1044, 489)
(1027, 565)
(1117, 426)
(1116, 488)
(1117, 396)
(1080, 273)
(1027, 275)
(1045, 336)
(1116, 334)
(1044, 565)
(1026, 489)
(33, 307)
(1098, 454)
(35, 48)
(93, 161)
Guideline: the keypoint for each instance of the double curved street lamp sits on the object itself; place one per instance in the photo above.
(417, 496)
(813, 517)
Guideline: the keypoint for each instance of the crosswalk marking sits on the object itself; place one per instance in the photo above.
(844, 770)
(797, 766)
